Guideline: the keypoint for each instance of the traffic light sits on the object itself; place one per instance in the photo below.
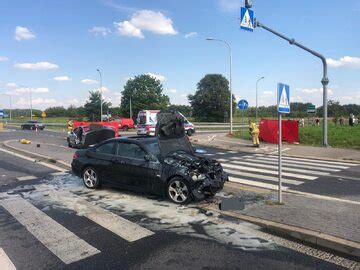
(248, 3)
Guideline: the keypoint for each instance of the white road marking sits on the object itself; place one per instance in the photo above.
(63, 243)
(210, 155)
(254, 183)
(263, 177)
(258, 170)
(122, 227)
(310, 160)
(232, 152)
(27, 177)
(59, 173)
(285, 168)
(301, 164)
(5, 262)
(283, 150)
(34, 160)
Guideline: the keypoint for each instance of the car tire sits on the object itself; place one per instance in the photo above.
(125, 128)
(188, 132)
(69, 144)
(178, 191)
(91, 178)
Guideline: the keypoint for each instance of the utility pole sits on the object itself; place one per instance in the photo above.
(230, 79)
(131, 115)
(31, 114)
(257, 82)
(101, 96)
(324, 81)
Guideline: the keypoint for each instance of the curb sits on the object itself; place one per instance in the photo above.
(323, 240)
(43, 158)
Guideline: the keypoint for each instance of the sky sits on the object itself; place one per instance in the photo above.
(55, 47)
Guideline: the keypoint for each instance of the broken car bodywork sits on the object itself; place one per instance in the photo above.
(85, 136)
(206, 176)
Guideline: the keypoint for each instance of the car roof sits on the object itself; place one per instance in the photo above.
(143, 139)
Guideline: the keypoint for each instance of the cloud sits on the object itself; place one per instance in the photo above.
(191, 35)
(89, 81)
(229, 5)
(43, 102)
(23, 33)
(37, 66)
(73, 102)
(4, 59)
(311, 91)
(104, 89)
(39, 90)
(173, 91)
(100, 31)
(127, 29)
(11, 85)
(268, 93)
(61, 78)
(145, 20)
(346, 62)
(161, 78)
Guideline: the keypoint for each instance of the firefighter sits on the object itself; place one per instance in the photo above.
(254, 132)
(70, 125)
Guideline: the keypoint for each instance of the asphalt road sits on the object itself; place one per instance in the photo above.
(50, 221)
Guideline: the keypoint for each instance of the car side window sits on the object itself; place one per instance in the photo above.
(107, 149)
(130, 150)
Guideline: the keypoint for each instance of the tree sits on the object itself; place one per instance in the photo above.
(93, 106)
(212, 98)
(186, 110)
(146, 93)
(56, 112)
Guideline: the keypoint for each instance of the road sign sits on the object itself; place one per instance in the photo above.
(43, 114)
(311, 109)
(243, 104)
(246, 19)
(283, 98)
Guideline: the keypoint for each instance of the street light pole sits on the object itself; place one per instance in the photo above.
(230, 79)
(101, 96)
(256, 112)
(131, 115)
(324, 81)
(31, 114)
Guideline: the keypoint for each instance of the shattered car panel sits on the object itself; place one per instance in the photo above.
(85, 136)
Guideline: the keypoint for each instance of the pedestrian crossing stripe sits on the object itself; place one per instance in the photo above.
(261, 170)
(5, 262)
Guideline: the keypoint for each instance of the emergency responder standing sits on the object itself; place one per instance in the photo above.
(254, 132)
(70, 125)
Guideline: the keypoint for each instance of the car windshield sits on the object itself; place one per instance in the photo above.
(153, 147)
(142, 120)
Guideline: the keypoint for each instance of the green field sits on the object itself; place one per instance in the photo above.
(338, 136)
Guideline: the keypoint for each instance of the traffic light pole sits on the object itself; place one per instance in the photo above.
(324, 81)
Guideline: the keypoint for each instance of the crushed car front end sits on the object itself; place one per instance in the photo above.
(205, 176)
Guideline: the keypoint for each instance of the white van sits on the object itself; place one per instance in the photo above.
(146, 123)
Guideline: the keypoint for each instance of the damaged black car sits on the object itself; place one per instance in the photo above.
(86, 136)
(165, 165)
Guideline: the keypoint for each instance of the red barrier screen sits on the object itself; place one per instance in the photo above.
(269, 131)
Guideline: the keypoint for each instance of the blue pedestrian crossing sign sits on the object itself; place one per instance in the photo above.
(246, 19)
(243, 104)
(283, 98)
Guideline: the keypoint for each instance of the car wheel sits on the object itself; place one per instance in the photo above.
(125, 128)
(178, 191)
(189, 133)
(69, 144)
(91, 178)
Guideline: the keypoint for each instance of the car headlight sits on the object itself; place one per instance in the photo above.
(198, 177)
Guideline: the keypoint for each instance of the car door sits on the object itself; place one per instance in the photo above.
(134, 168)
(102, 158)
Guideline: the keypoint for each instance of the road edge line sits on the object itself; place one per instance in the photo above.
(323, 240)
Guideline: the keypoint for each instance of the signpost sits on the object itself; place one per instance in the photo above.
(311, 108)
(283, 104)
(243, 105)
(246, 19)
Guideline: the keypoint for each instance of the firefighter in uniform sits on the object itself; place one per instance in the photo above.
(254, 132)
(70, 125)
